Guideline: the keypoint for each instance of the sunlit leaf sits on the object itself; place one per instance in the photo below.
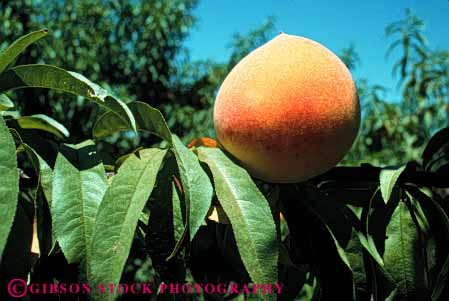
(51, 77)
(119, 213)
(5, 102)
(388, 178)
(15, 49)
(196, 186)
(76, 198)
(147, 119)
(45, 123)
(248, 212)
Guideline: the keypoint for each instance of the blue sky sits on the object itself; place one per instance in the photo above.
(335, 24)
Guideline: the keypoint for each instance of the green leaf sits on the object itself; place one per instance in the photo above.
(178, 223)
(76, 199)
(392, 296)
(402, 256)
(354, 253)
(375, 218)
(43, 170)
(435, 146)
(5, 103)
(119, 213)
(12, 114)
(9, 55)
(369, 245)
(147, 119)
(373, 227)
(9, 183)
(365, 240)
(44, 123)
(196, 186)
(440, 161)
(382, 284)
(249, 214)
(438, 221)
(51, 77)
(388, 178)
(418, 213)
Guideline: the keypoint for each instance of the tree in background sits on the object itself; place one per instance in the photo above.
(395, 132)
(130, 46)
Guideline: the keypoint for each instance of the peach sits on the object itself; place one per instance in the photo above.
(288, 111)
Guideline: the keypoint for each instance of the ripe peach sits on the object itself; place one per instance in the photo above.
(288, 111)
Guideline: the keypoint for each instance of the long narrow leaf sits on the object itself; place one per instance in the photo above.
(196, 186)
(51, 77)
(76, 198)
(248, 212)
(402, 255)
(388, 178)
(9, 55)
(9, 183)
(45, 123)
(119, 213)
(147, 119)
(5, 103)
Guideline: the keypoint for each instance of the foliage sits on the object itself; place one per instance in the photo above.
(359, 233)
(130, 45)
(393, 132)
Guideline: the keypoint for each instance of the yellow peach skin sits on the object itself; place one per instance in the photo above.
(288, 111)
